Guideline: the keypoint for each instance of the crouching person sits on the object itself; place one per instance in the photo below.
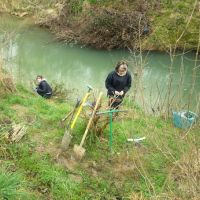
(43, 88)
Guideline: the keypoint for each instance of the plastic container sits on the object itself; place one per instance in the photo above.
(184, 119)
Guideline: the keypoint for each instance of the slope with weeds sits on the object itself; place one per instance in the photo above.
(157, 168)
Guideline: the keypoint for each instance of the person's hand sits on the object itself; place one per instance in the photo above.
(121, 93)
(117, 93)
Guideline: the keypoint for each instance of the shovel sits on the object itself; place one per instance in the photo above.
(68, 136)
(79, 150)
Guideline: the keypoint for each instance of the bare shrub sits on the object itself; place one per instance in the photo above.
(6, 82)
(112, 29)
(186, 174)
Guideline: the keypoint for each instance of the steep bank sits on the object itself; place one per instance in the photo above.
(164, 166)
(152, 25)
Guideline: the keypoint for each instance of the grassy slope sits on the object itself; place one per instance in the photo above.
(158, 168)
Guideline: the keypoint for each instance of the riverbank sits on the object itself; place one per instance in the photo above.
(117, 24)
(163, 166)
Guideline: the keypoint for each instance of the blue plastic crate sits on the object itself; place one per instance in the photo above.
(184, 119)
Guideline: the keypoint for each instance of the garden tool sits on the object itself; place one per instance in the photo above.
(115, 101)
(136, 140)
(68, 132)
(79, 150)
(110, 112)
(67, 136)
(68, 115)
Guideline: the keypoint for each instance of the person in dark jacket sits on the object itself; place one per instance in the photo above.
(43, 88)
(118, 82)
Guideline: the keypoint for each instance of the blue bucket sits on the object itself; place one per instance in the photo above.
(184, 119)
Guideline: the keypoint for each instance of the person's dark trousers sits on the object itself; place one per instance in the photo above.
(46, 96)
(40, 93)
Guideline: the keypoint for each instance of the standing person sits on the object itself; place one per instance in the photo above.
(43, 88)
(118, 82)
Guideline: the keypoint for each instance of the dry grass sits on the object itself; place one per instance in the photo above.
(6, 82)
(187, 174)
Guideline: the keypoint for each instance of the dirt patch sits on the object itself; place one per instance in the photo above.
(40, 148)
(21, 110)
(116, 169)
(4, 121)
(76, 178)
(124, 168)
(67, 160)
(64, 159)
(51, 148)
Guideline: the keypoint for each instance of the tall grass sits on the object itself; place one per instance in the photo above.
(168, 161)
(12, 186)
(6, 82)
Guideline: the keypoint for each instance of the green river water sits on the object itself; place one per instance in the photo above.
(28, 50)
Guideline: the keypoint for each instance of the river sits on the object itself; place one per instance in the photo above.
(28, 50)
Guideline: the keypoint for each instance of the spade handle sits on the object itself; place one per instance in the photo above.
(91, 118)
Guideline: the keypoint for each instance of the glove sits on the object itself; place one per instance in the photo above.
(121, 93)
(117, 93)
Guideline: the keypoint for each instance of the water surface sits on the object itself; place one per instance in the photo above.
(28, 50)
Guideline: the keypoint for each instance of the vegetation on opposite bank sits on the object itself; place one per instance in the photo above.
(152, 25)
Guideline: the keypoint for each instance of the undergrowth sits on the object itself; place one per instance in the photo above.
(159, 167)
(116, 24)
